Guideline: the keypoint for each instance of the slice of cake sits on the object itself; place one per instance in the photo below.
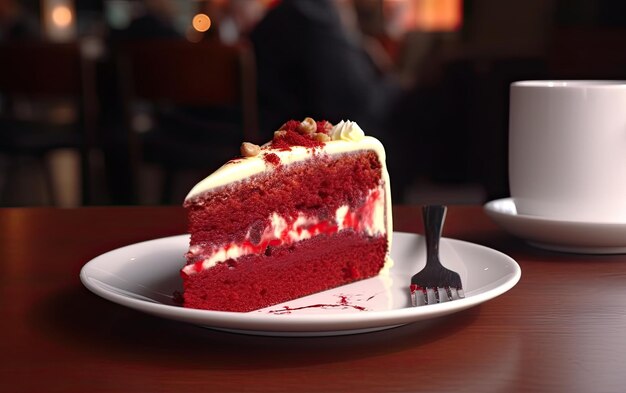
(306, 212)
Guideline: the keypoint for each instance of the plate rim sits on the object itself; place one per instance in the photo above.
(302, 323)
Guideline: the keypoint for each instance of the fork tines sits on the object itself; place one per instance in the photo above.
(422, 296)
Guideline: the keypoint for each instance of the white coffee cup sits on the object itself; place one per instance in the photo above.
(567, 149)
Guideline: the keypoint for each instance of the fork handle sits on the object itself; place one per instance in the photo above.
(433, 216)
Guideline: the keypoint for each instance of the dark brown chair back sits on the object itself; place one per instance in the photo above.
(35, 70)
(179, 72)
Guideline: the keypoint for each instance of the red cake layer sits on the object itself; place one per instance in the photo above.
(254, 282)
(314, 187)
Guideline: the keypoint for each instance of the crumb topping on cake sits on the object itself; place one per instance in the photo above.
(307, 133)
(272, 159)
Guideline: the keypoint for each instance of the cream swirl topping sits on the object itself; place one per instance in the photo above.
(347, 131)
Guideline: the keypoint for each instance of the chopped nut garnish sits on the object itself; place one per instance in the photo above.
(280, 133)
(250, 149)
(307, 126)
(321, 137)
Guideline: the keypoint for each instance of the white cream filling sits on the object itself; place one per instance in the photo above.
(280, 231)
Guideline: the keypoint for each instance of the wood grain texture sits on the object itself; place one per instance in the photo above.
(561, 329)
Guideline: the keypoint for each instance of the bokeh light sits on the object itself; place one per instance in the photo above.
(62, 16)
(201, 22)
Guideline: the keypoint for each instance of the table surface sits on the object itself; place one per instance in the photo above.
(560, 329)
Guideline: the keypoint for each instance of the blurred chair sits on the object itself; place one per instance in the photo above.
(202, 100)
(41, 75)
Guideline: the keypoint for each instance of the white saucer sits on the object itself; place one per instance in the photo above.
(145, 275)
(559, 235)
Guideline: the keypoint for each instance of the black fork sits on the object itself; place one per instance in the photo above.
(434, 283)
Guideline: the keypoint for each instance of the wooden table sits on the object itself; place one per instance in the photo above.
(561, 329)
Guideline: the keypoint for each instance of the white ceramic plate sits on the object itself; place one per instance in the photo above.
(144, 276)
(559, 235)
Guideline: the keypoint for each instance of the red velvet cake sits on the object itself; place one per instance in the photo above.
(308, 211)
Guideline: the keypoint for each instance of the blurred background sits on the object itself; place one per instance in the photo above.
(125, 102)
